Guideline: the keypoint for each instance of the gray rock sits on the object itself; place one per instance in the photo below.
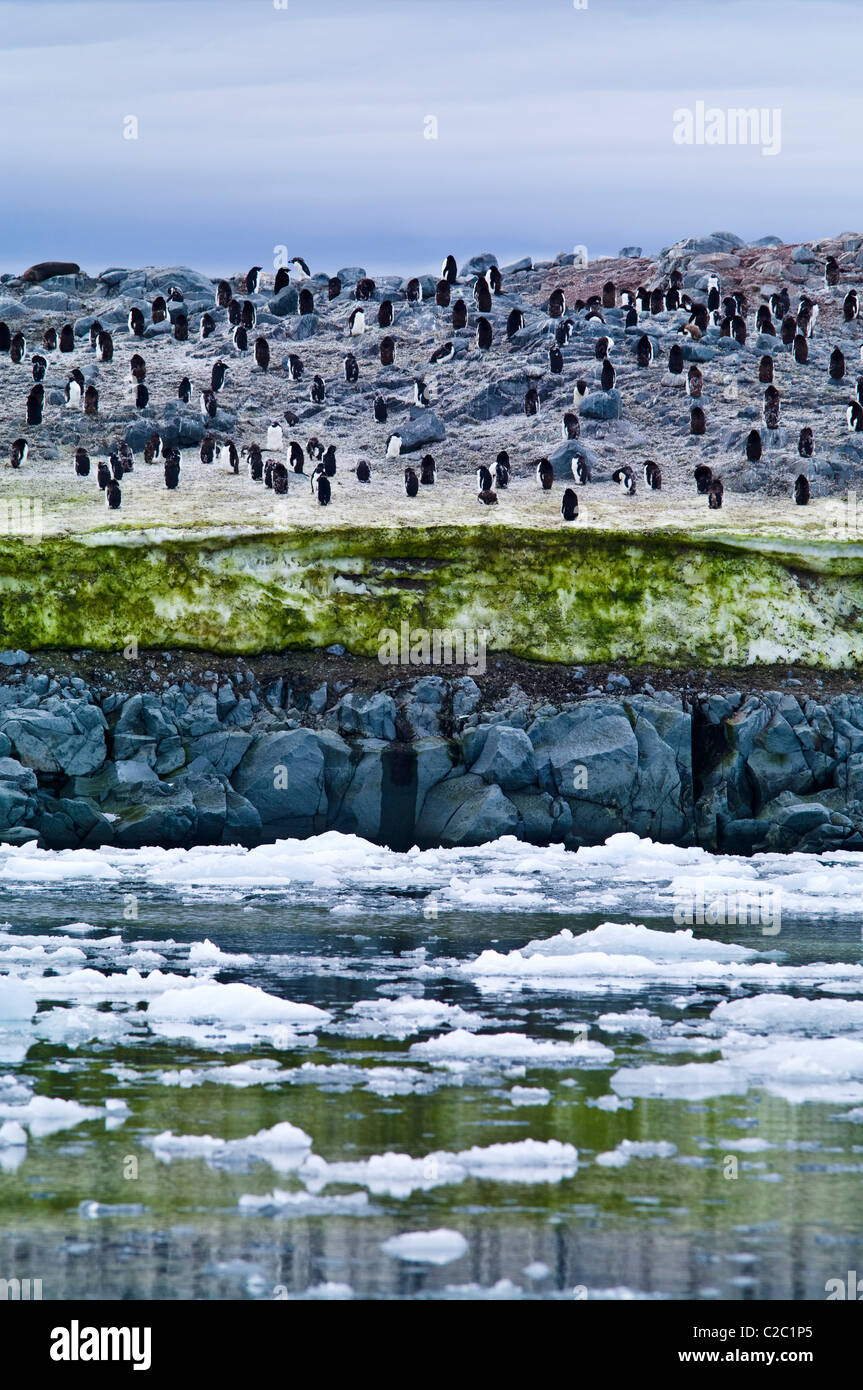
(478, 265)
(14, 658)
(601, 405)
(374, 717)
(58, 736)
(633, 252)
(803, 255)
(422, 429)
(287, 301)
(307, 327)
(282, 775)
(465, 811)
(506, 759)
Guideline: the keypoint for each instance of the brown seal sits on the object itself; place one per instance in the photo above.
(46, 270)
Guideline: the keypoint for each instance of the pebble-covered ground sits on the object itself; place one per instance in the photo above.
(477, 400)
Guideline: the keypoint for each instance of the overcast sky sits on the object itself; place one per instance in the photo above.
(259, 127)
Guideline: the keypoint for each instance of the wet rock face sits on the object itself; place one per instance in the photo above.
(426, 760)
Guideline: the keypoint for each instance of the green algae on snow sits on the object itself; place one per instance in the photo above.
(563, 596)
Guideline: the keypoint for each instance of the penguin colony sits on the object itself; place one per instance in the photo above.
(624, 336)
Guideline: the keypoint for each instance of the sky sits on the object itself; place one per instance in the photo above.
(306, 127)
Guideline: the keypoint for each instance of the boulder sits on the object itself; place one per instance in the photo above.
(465, 811)
(282, 775)
(506, 759)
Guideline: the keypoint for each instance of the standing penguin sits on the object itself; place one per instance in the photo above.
(91, 400)
(105, 347)
(208, 326)
(557, 304)
(412, 485)
(387, 352)
(103, 475)
(643, 351)
(805, 442)
(753, 446)
(443, 294)
(449, 270)
(82, 463)
(569, 504)
(334, 288)
(801, 490)
(35, 403)
(837, 365)
(113, 495)
(357, 322)
(318, 391)
(385, 313)
(545, 474)
(675, 360)
(262, 353)
(607, 375)
(514, 323)
(184, 391)
(459, 314)
(19, 450)
(352, 370)
(531, 401)
(427, 469)
(484, 334)
(697, 421)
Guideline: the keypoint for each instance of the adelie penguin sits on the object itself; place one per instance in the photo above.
(269, 464)
(482, 295)
(127, 457)
(697, 421)
(314, 448)
(40, 366)
(275, 436)
(569, 505)
(801, 490)
(136, 323)
(449, 270)
(753, 446)
(295, 366)
(483, 479)
(607, 376)
(208, 326)
(837, 365)
(459, 314)
(380, 410)
(487, 496)
(296, 456)
(209, 405)
(322, 489)
(49, 339)
(514, 323)
(625, 479)
(158, 309)
(17, 348)
(385, 313)
(35, 403)
(224, 294)
(394, 446)
(703, 477)
(67, 338)
(854, 416)
(427, 470)
(412, 485)
(280, 479)
(306, 302)
(248, 314)
(262, 354)
(82, 463)
(172, 470)
(414, 291)
(240, 338)
(545, 474)
(801, 350)
(556, 304)
(301, 265)
(255, 462)
(444, 353)
(579, 391)
(675, 360)
(363, 471)
(105, 347)
(184, 391)
(153, 448)
(422, 393)
(103, 475)
(318, 391)
(113, 495)
(235, 313)
(356, 323)
(329, 461)
(805, 442)
(387, 352)
(653, 476)
(831, 271)
(563, 332)
(501, 470)
(6, 337)
(484, 334)
(218, 375)
(765, 371)
(91, 400)
(443, 294)
(580, 469)
(714, 494)
(850, 306)
(364, 288)
(531, 401)
(644, 351)
(208, 448)
(571, 426)
(352, 370)
(228, 454)
(181, 328)
(19, 451)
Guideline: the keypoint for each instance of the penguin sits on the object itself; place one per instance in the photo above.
(413, 290)
(459, 314)
(255, 463)
(851, 306)
(152, 448)
(762, 316)
(700, 317)
(831, 271)
(765, 370)
(703, 478)
(495, 279)
(423, 393)
(780, 304)
(569, 505)
(184, 391)
(801, 490)
(714, 494)
(854, 416)
(545, 474)
(557, 304)
(427, 470)
(113, 496)
(275, 438)
(380, 410)
(208, 448)
(301, 265)
(657, 301)
(837, 365)
(531, 401)
(627, 299)
(449, 270)
(571, 426)
(240, 338)
(860, 389)
(738, 328)
(555, 361)
(6, 336)
(697, 420)
(602, 347)
(653, 476)
(329, 461)
(19, 451)
(116, 463)
(514, 323)
(789, 330)
(357, 323)
(235, 313)
(105, 347)
(295, 366)
(675, 360)
(501, 470)
(579, 391)
(127, 457)
(35, 404)
(91, 400)
(412, 485)
(563, 332)
(644, 351)
(771, 415)
(385, 313)
(291, 417)
(484, 335)
(218, 375)
(482, 295)
(394, 446)
(296, 456)
(306, 302)
(282, 280)
(135, 323)
(280, 479)
(323, 491)
(228, 454)
(805, 442)
(82, 463)
(753, 446)
(318, 391)
(66, 341)
(387, 352)
(364, 472)
(364, 288)
(488, 496)
(580, 469)
(49, 340)
(40, 366)
(262, 353)
(352, 370)
(334, 288)
(248, 314)
(607, 375)
(17, 348)
(483, 479)
(801, 349)
(209, 405)
(208, 326)
(625, 479)
(268, 472)
(158, 309)
(444, 353)
(443, 294)
(74, 392)
(137, 367)
(314, 448)
(172, 472)
(224, 294)
(103, 475)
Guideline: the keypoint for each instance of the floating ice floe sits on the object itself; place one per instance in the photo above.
(284, 1148)
(635, 1148)
(398, 1175)
(287, 1204)
(516, 1047)
(438, 1247)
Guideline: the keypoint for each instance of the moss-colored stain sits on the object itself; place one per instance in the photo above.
(563, 596)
